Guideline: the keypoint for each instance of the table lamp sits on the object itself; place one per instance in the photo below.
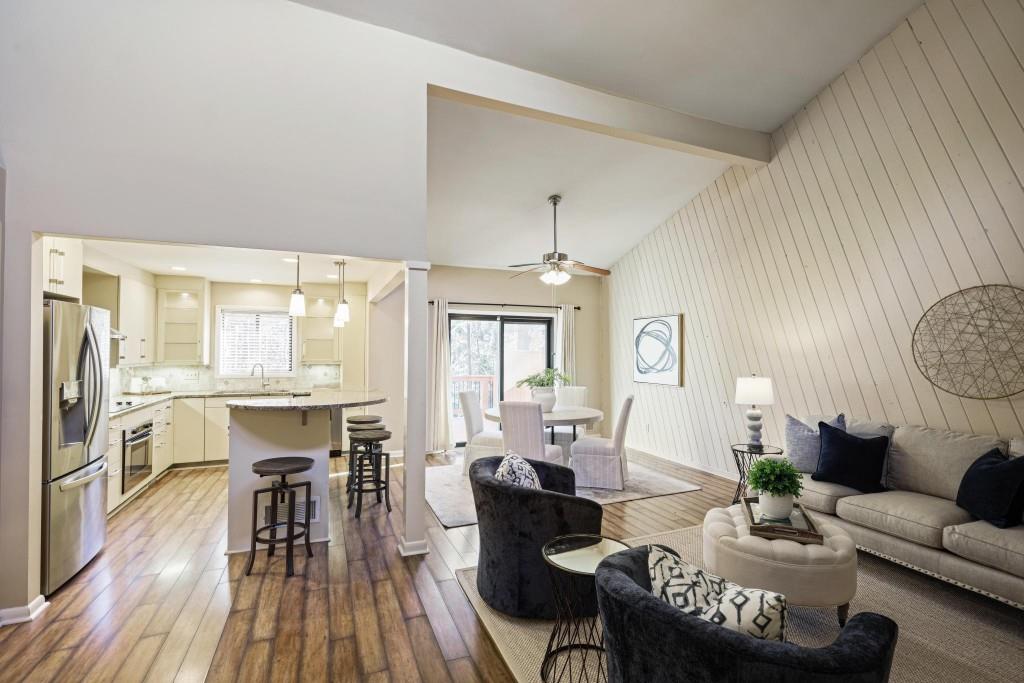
(754, 391)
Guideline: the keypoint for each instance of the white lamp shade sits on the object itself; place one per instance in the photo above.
(754, 391)
(297, 304)
(341, 314)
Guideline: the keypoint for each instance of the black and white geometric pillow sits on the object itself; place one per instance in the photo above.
(516, 471)
(753, 611)
(681, 584)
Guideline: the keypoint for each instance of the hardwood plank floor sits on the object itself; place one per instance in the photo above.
(164, 603)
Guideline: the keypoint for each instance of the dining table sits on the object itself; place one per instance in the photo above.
(559, 417)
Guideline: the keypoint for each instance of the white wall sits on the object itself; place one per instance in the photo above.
(898, 184)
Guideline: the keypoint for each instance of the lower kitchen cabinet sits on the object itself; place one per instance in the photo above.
(163, 437)
(216, 436)
(188, 438)
(114, 463)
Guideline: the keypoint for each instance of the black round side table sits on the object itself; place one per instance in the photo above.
(746, 454)
(577, 636)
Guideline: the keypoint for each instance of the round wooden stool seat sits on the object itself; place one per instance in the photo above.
(364, 419)
(365, 428)
(374, 436)
(277, 467)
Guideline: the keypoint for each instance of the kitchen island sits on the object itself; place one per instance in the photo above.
(276, 427)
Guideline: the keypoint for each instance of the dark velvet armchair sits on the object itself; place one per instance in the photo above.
(515, 523)
(649, 640)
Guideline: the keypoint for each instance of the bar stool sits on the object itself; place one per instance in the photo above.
(370, 458)
(364, 419)
(353, 448)
(281, 467)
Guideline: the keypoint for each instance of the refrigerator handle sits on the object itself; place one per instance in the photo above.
(82, 481)
(96, 392)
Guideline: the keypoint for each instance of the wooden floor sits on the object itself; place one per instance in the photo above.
(163, 602)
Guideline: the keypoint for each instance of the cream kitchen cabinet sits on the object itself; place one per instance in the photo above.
(217, 418)
(321, 340)
(114, 463)
(137, 320)
(163, 437)
(62, 266)
(188, 438)
(182, 320)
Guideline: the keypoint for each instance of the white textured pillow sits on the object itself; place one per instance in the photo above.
(681, 584)
(755, 612)
(516, 471)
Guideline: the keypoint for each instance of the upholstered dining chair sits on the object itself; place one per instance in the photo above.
(567, 397)
(600, 462)
(480, 443)
(522, 426)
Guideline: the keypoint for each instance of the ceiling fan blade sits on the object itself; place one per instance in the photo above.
(524, 272)
(524, 265)
(590, 269)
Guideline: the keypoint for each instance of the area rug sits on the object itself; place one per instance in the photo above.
(451, 498)
(946, 633)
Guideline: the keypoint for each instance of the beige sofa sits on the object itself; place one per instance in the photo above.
(917, 523)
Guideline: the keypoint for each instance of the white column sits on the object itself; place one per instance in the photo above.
(414, 540)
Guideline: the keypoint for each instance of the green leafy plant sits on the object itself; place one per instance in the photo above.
(775, 476)
(547, 378)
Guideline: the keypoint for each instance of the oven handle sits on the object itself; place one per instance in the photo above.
(82, 481)
(139, 438)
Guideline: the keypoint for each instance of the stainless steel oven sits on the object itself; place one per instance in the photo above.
(138, 456)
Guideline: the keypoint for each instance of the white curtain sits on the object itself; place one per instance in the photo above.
(567, 340)
(438, 429)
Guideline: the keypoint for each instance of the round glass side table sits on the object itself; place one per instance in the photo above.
(745, 455)
(575, 649)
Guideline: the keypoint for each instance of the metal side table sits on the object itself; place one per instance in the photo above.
(746, 454)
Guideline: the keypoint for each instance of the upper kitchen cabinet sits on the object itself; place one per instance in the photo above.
(321, 340)
(62, 266)
(183, 320)
(137, 320)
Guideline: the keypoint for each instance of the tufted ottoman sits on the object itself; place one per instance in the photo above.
(808, 575)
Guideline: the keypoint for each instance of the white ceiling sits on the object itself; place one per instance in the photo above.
(750, 63)
(226, 264)
(490, 174)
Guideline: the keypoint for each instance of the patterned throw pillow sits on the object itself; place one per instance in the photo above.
(758, 613)
(681, 584)
(516, 471)
(803, 443)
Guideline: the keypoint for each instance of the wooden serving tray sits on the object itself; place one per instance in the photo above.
(776, 530)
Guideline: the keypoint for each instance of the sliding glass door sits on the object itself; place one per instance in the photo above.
(489, 354)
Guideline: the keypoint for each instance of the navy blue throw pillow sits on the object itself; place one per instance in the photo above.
(993, 489)
(850, 460)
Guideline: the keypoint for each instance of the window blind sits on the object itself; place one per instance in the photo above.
(249, 337)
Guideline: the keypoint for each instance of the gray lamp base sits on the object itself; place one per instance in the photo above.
(754, 426)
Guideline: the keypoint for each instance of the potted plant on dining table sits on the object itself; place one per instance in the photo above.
(542, 386)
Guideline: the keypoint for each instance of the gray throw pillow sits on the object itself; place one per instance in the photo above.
(516, 471)
(803, 444)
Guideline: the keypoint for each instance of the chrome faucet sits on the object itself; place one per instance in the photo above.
(263, 376)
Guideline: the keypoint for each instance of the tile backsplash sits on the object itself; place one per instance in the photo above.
(202, 378)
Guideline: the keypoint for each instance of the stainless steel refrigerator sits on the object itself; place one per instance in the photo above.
(76, 372)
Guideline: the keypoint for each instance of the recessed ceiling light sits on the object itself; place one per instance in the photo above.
(290, 259)
(179, 268)
(255, 281)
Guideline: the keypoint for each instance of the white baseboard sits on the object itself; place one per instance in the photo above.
(16, 615)
(407, 548)
(732, 476)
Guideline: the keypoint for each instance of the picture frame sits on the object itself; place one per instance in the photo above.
(658, 350)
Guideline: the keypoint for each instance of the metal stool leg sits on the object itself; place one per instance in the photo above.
(273, 520)
(387, 480)
(289, 542)
(309, 494)
(252, 541)
(359, 488)
(376, 469)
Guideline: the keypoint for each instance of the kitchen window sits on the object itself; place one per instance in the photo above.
(249, 336)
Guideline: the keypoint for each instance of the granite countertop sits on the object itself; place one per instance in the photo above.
(323, 400)
(146, 400)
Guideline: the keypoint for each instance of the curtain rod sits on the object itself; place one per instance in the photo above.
(477, 303)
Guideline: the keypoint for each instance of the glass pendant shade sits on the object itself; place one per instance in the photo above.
(341, 314)
(297, 305)
(555, 276)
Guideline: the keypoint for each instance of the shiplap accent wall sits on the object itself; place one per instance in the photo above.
(898, 184)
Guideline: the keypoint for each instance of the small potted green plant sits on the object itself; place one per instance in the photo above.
(777, 483)
(542, 386)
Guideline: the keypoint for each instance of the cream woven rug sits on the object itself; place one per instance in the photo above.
(946, 633)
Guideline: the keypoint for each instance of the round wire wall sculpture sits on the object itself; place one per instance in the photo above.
(971, 343)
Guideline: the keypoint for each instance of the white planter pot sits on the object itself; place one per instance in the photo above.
(775, 507)
(545, 396)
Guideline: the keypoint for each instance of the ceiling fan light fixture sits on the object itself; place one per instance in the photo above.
(555, 276)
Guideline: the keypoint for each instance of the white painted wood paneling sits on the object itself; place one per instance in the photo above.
(898, 184)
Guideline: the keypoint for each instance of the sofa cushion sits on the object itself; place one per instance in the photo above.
(911, 516)
(993, 489)
(989, 545)
(851, 461)
(933, 461)
(823, 495)
(803, 443)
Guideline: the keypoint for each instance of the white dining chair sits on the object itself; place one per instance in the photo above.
(599, 462)
(567, 397)
(480, 443)
(522, 425)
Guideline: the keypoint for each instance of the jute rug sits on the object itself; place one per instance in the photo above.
(451, 498)
(946, 633)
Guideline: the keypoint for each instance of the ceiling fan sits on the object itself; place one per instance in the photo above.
(555, 264)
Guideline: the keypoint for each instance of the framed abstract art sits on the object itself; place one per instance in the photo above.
(658, 350)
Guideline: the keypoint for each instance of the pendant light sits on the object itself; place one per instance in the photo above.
(341, 314)
(297, 305)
